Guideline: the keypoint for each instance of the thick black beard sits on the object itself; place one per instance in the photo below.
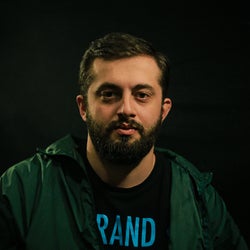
(121, 151)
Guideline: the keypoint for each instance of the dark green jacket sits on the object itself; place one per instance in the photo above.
(47, 203)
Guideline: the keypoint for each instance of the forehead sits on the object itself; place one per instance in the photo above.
(133, 70)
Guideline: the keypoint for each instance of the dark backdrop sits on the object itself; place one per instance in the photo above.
(208, 47)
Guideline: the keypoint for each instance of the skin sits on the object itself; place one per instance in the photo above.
(129, 87)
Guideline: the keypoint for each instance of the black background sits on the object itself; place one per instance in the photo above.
(41, 46)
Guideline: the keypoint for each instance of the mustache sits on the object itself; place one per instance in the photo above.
(128, 123)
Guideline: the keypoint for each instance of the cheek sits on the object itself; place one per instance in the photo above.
(149, 117)
(101, 113)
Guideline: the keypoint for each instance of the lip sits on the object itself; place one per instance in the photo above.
(126, 131)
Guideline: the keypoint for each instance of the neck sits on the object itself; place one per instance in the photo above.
(120, 176)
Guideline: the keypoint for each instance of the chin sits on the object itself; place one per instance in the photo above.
(125, 138)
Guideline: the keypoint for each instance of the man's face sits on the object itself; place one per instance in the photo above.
(121, 148)
(125, 108)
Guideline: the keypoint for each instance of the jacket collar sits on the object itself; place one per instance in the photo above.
(69, 145)
(202, 179)
(66, 146)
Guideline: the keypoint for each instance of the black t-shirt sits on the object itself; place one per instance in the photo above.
(137, 217)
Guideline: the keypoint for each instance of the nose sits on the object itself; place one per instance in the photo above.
(126, 106)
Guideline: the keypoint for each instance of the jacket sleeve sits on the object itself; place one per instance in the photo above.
(9, 234)
(223, 229)
(18, 190)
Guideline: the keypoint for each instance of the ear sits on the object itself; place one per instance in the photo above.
(81, 106)
(166, 106)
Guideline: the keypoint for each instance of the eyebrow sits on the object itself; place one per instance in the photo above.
(143, 86)
(109, 85)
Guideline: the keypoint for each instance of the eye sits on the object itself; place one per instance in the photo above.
(108, 95)
(142, 95)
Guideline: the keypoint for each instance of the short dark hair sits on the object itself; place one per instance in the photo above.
(117, 45)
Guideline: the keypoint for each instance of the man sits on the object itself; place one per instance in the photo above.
(115, 190)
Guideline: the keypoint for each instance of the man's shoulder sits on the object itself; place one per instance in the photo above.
(64, 146)
(181, 165)
(177, 159)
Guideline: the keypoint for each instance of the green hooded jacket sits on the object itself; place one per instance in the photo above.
(47, 203)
